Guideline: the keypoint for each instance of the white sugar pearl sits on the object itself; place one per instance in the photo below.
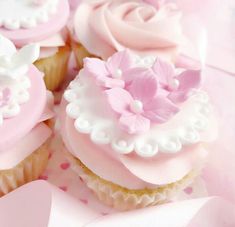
(174, 84)
(117, 73)
(136, 106)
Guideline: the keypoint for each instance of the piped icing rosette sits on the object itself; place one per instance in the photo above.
(42, 21)
(104, 27)
(140, 117)
(24, 104)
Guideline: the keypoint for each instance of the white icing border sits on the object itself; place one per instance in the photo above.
(103, 131)
(39, 14)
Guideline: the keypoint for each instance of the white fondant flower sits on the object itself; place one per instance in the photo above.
(15, 63)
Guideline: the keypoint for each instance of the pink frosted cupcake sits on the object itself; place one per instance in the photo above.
(41, 21)
(24, 107)
(102, 27)
(136, 128)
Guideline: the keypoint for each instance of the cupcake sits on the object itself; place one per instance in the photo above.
(101, 28)
(24, 109)
(136, 129)
(41, 21)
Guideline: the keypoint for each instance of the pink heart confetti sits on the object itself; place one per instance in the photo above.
(63, 188)
(85, 201)
(64, 165)
(43, 177)
(188, 190)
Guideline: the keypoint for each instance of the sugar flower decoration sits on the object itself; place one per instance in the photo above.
(140, 104)
(110, 74)
(15, 63)
(139, 94)
(179, 86)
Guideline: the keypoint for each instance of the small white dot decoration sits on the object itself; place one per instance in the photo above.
(117, 74)
(136, 106)
(25, 13)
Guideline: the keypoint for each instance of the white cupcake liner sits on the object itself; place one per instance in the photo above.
(54, 68)
(27, 170)
(124, 199)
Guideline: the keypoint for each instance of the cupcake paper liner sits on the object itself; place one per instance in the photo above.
(27, 170)
(80, 53)
(54, 68)
(125, 199)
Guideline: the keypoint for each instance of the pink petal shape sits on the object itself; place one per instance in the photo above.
(96, 67)
(164, 71)
(134, 124)
(119, 100)
(145, 87)
(160, 109)
(120, 60)
(109, 82)
(133, 73)
(188, 80)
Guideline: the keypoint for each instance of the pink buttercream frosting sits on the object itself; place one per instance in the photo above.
(105, 27)
(43, 32)
(147, 142)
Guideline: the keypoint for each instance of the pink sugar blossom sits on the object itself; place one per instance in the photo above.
(140, 104)
(109, 74)
(179, 86)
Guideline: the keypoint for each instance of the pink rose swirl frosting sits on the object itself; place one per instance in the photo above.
(105, 27)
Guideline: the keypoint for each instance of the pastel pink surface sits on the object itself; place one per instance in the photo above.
(15, 128)
(206, 212)
(21, 37)
(219, 173)
(44, 205)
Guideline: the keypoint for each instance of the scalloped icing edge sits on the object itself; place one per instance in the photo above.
(172, 143)
(40, 17)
